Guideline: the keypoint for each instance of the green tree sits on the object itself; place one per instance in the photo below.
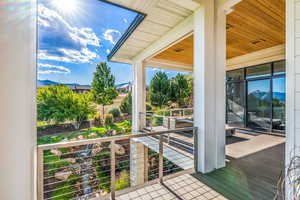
(83, 107)
(126, 104)
(103, 86)
(180, 90)
(55, 103)
(59, 103)
(159, 89)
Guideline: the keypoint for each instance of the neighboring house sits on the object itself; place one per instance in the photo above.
(124, 87)
(80, 88)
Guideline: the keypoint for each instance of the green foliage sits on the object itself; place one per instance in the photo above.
(180, 90)
(103, 85)
(124, 127)
(55, 103)
(84, 107)
(98, 119)
(108, 119)
(159, 89)
(123, 181)
(126, 104)
(148, 107)
(115, 112)
(59, 103)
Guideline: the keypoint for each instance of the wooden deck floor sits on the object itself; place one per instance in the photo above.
(253, 177)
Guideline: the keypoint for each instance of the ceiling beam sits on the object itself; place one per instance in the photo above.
(259, 57)
(166, 64)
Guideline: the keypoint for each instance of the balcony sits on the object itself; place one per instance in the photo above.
(110, 167)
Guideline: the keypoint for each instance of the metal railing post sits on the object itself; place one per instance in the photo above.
(195, 135)
(40, 165)
(113, 169)
(161, 161)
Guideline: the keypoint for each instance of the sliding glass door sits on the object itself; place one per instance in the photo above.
(256, 97)
(278, 104)
(259, 104)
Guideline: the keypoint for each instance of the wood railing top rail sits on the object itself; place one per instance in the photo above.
(110, 139)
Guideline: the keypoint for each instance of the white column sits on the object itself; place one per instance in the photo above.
(209, 87)
(292, 86)
(220, 104)
(138, 96)
(17, 99)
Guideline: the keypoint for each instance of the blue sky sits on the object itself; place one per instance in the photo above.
(75, 35)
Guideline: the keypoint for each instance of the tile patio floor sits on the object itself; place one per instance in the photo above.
(184, 187)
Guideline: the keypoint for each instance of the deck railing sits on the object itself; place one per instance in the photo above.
(169, 119)
(100, 168)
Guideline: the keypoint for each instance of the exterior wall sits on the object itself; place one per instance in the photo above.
(17, 92)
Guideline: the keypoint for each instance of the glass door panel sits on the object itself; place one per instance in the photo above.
(278, 104)
(236, 104)
(259, 104)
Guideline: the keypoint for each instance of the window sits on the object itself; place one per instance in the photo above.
(259, 71)
(235, 75)
(257, 101)
(279, 68)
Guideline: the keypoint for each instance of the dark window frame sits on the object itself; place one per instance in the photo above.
(245, 81)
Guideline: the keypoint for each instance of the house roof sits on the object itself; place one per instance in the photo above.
(162, 16)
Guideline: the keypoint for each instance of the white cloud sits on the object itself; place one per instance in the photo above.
(61, 41)
(107, 51)
(47, 69)
(69, 56)
(112, 35)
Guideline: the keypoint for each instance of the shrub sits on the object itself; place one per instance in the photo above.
(115, 112)
(98, 119)
(108, 119)
(126, 105)
(148, 107)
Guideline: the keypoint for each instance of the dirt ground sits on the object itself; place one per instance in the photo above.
(116, 104)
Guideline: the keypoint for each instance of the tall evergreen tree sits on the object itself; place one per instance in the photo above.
(159, 89)
(103, 86)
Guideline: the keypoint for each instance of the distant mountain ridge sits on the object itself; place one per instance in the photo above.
(41, 83)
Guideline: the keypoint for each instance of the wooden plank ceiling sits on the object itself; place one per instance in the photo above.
(253, 25)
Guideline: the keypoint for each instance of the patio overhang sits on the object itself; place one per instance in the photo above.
(255, 33)
(206, 38)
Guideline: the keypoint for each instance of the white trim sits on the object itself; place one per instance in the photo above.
(263, 56)
(166, 64)
(290, 87)
(178, 33)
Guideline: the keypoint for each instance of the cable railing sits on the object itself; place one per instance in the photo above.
(169, 119)
(104, 167)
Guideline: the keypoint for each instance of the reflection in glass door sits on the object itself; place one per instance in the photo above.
(259, 104)
(278, 104)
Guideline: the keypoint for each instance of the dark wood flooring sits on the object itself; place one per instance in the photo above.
(250, 178)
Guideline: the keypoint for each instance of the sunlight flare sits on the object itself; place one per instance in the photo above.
(66, 6)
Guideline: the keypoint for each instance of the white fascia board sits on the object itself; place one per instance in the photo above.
(178, 33)
(166, 64)
(117, 59)
(259, 57)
